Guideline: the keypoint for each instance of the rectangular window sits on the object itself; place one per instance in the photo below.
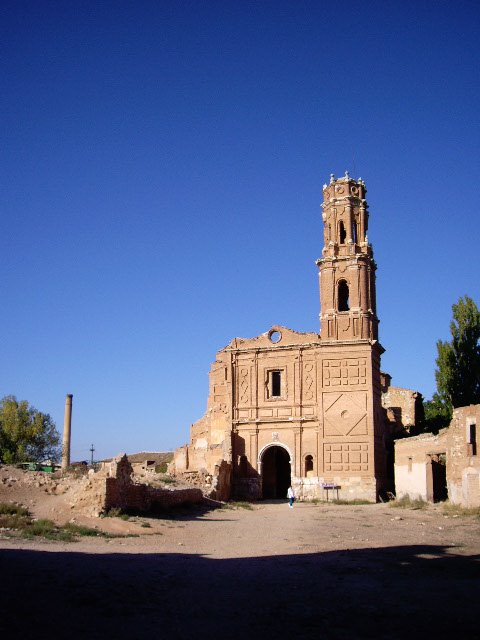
(472, 438)
(409, 465)
(275, 384)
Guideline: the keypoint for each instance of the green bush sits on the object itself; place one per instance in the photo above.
(10, 508)
(17, 518)
(48, 530)
(13, 516)
(14, 521)
(80, 530)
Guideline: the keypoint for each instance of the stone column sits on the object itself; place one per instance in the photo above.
(297, 468)
(429, 472)
(254, 447)
(67, 427)
(361, 228)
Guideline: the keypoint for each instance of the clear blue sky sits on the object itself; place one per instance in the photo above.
(162, 167)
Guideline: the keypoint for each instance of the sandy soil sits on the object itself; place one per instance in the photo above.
(321, 571)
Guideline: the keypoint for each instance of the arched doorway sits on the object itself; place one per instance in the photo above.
(275, 472)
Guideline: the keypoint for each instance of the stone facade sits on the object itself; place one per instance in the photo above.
(434, 467)
(304, 408)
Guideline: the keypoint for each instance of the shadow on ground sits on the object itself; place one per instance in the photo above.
(394, 592)
(181, 512)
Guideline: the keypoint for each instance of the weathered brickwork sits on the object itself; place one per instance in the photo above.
(113, 487)
(403, 407)
(344, 373)
(346, 457)
(463, 461)
(416, 459)
(304, 408)
(434, 467)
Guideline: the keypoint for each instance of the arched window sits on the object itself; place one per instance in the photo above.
(308, 465)
(355, 232)
(342, 233)
(343, 296)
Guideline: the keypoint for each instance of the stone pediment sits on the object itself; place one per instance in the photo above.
(276, 336)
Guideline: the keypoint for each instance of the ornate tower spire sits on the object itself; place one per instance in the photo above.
(347, 268)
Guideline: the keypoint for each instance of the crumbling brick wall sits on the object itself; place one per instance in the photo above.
(403, 407)
(460, 444)
(112, 487)
(412, 457)
(463, 461)
(215, 485)
(166, 498)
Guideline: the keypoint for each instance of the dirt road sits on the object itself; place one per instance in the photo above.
(314, 571)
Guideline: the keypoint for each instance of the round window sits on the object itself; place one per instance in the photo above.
(275, 336)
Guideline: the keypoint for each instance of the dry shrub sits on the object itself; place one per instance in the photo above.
(238, 505)
(13, 516)
(457, 510)
(405, 502)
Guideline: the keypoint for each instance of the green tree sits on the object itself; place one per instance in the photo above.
(458, 366)
(25, 433)
(437, 414)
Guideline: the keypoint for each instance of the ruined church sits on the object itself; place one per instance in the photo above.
(304, 408)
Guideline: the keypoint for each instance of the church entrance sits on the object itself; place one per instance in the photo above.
(275, 472)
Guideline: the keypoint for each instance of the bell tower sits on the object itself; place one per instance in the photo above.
(346, 268)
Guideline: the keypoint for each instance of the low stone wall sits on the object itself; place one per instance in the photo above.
(307, 489)
(166, 498)
(112, 487)
(352, 488)
(133, 497)
(89, 496)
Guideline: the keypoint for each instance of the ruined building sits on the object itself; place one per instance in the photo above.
(304, 408)
(435, 467)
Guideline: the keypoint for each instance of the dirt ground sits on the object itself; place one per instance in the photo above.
(314, 571)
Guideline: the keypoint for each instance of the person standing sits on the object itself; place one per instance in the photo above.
(291, 497)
